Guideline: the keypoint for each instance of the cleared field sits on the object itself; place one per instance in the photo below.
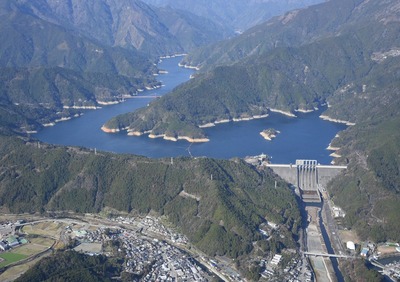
(10, 258)
(35, 246)
(348, 235)
(51, 229)
(387, 250)
(89, 248)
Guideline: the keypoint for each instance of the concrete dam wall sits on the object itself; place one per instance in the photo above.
(308, 176)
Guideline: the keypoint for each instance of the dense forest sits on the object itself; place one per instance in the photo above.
(73, 266)
(229, 199)
(369, 191)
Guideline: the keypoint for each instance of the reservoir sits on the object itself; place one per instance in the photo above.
(304, 137)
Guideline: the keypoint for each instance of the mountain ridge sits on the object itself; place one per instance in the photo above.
(128, 24)
(80, 180)
(236, 14)
(292, 29)
(51, 40)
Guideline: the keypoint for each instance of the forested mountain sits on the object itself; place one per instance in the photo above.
(29, 41)
(46, 68)
(236, 14)
(293, 29)
(218, 204)
(342, 53)
(73, 266)
(33, 97)
(57, 57)
(128, 24)
(286, 78)
(190, 30)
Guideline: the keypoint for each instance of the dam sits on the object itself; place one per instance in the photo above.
(308, 176)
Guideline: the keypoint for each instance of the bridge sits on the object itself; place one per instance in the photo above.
(327, 255)
(307, 176)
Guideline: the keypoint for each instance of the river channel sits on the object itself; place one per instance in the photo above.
(304, 137)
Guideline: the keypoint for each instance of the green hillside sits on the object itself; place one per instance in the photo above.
(73, 266)
(28, 41)
(369, 191)
(293, 29)
(47, 69)
(31, 97)
(229, 199)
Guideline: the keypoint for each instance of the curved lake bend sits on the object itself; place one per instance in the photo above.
(304, 137)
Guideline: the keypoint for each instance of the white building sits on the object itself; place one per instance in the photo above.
(351, 246)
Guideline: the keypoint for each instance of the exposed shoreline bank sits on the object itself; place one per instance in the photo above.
(153, 136)
(107, 103)
(325, 117)
(266, 136)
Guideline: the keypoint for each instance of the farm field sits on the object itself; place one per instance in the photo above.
(10, 257)
(14, 272)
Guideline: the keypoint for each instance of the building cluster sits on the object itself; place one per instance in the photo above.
(393, 270)
(153, 225)
(338, 212)
(8, 239)
(297, 270)
(156, 260)
(150, 259)
(367, 249)
(276, 259)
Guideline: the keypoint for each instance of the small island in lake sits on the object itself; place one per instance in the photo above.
(269, 133)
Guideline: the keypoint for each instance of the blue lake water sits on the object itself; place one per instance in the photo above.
(304, 137)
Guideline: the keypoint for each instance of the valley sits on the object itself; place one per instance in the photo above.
(325, 77)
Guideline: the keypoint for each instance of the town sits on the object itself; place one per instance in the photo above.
(153, 251)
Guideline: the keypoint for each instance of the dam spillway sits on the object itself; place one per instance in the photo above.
(307, 180)
(308, 176)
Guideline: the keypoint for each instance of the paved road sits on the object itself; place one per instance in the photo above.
(332, 228)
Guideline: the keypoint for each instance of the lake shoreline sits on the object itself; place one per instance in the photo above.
(304, 137)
